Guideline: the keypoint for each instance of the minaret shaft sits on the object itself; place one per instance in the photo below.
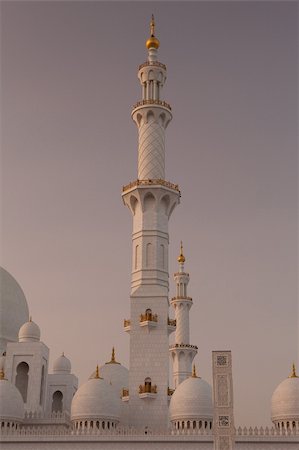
(181, 351)
(151, 201)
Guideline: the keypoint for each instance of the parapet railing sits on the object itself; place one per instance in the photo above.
(152, 102)
(152, 63)
(148, 182)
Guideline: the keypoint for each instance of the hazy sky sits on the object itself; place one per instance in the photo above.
(69, 79)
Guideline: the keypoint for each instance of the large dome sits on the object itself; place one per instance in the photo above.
(11, 402)
(96, 400)
(192, 400)
(285, 400)
(13, 309)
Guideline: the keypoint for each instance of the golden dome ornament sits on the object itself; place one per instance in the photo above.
(152, 42)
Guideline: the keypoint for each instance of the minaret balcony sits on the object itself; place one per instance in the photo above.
(170, 392)
(151, 182)
(127, 325)
(152, 63)
(171, 323)
(125, 395)
(180, 299)
(146, 390)
(152, 102)
(148, 319)
(183, 346)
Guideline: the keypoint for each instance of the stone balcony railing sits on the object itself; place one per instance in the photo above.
(152, 63)
(170, 391)
(148, 316)
(147, 389)
(171, 322)
(125, 393)
(151, 182)
(183, 346)
(152, 102)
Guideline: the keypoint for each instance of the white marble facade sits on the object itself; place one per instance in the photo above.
(117, 408)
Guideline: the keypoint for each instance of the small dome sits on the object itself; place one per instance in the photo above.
(192, 400)
(62, 365)
(285, 399)
(29, 332)
(13, 309)
(11, 402)
(96, 400)
(115, 374)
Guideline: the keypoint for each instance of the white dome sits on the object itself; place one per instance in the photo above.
(115, 374)
(13, 309)
(11, 402)
(285, 400)
(96, 400)
(29, 332)
(192, 400)
(62, 365)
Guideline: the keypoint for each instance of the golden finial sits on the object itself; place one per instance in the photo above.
(152, 26)
(181, 258)
(293, 373)
(194, 372)
(30, 319)
(97, 375)
(2, 376)
(62, 354)
(152, 42)
(112, 360)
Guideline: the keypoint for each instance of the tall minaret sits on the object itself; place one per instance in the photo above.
(181, 351)
(151, 200)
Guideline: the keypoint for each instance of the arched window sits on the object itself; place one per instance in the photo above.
(42, 384)
(57, 401)
(22, 379)
(147, 384)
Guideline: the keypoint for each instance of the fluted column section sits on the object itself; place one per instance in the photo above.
(151, 151)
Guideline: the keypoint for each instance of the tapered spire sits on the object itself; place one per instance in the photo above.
(181, 258)
(293, 373)
(152, 42)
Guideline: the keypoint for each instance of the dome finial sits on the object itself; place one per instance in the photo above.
(113, 355)
(30, 319)
(293, 373)
(2, 375)
(194, 372)
(152, 42)
(152, 26)
(112, 360)
(181, 258)
(97, 375)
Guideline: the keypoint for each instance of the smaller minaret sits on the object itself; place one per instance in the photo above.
(182, 351)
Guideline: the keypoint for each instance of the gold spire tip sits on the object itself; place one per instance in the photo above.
(112, 360)
(293, 373)
(30, 319)
(194, 371)
(152, 42)
(181, 258)
(2, 376)
(97, 375)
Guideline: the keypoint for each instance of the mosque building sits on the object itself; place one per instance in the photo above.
(139, 407)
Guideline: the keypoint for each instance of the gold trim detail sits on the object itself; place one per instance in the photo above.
(293, 373)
